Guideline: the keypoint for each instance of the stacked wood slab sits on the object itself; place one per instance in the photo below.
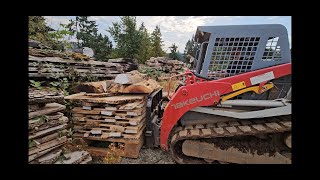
(113, 111)
(118, 118)
(47, 126)
(49, 63)
(127, 63)
(166, 65)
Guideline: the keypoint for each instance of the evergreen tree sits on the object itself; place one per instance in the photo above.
(145, 44)
(38, 30)
(173, 48)
(102, 47)
(126, 36)
(187, 49)
(87, 35)
(156, 43)
(191, 47)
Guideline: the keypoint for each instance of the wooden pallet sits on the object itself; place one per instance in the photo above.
(129, 120)
(131, 146)
(87, 126)
(120, 112)
(120, 99)
(110, 133)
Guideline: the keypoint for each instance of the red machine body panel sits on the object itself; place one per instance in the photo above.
(199, 92)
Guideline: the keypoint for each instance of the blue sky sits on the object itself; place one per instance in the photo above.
(178, 29)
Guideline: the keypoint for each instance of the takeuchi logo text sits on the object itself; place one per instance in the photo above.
(196, 99)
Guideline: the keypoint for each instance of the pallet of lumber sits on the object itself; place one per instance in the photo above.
(131, 148)
(119, 118)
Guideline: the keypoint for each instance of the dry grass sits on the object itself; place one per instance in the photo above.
(114, 155)
(173, 85)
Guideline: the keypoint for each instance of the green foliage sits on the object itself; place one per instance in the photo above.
(191, 47)
(72, 79)
(87, 34)
(69, 133)
(153, 73)
(135, 43)
(31, 143)
(156, 43)
(36, 84)
(38, 30)
(127, 37)
(42, 118)
(61, 84)
(83, 29)
(67, 85)
(173, 48)
(145, 45)
(57, 38)
(102, 47)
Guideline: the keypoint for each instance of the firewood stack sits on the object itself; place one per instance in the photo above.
(165, 65)
(47, 126)
(111, 111)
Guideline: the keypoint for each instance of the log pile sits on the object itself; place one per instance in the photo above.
(111, 111)
(47, 126)
(166, 65)
(51, 63)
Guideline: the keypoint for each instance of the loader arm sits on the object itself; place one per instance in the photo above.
(205, 93)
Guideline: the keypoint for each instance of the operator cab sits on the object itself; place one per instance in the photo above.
(229, 50)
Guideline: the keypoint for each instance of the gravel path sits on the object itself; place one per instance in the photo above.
(150, 156)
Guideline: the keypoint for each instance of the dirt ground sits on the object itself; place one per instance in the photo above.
(147, 156)
(150, 156)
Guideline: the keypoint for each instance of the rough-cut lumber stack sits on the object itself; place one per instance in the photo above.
(111, 111)
(118, 118)
(47, 126)
(165, 65)
(53, 63)
(127, 63)
(57, 66)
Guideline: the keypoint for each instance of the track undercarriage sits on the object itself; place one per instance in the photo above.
(255, 141)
